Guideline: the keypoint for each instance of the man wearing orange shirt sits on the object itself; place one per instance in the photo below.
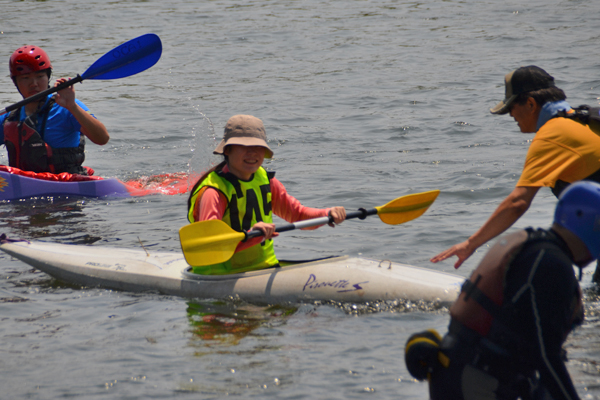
(563, 151)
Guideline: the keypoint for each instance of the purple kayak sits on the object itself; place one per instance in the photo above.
(17, 184)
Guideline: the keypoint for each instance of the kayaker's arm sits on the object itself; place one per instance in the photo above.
(289, 208)
(90, 126)
(212, 205)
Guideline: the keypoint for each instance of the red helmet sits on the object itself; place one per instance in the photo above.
(28, 59)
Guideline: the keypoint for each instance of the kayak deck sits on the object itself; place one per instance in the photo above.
(346, 279)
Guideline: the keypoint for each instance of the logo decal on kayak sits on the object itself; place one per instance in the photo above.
(3, 184)
(343, 285)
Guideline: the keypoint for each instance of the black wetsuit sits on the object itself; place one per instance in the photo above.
(542, 304)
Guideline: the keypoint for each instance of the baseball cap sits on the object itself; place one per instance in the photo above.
(522, 80)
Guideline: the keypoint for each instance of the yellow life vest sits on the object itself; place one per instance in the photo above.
(248, 202)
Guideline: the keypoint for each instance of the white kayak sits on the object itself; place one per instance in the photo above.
(343, 279)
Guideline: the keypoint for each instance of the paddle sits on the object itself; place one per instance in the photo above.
(128, 59)
(213, 241)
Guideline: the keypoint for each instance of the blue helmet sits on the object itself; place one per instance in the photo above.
(578, 210)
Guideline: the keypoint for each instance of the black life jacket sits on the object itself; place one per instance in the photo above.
(480, 308)
(28, 151)
(585, 115)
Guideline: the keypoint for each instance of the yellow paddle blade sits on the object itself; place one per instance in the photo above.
(209, 242)
(406, 208)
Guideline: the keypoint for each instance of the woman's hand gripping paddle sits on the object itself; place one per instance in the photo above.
(213, 241)
(128, 59)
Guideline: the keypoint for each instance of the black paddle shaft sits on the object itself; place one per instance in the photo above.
(43, 94)
(362, 213)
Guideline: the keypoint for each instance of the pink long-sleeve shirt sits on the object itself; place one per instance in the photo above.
(212, 205)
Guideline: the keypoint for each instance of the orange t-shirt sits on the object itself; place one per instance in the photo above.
(561, 150)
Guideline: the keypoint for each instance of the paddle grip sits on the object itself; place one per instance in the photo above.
(43, 94)
(362, 213)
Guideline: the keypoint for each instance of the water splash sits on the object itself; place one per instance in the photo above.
(170, 184)
(205, 141)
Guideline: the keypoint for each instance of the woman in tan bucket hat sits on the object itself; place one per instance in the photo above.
(243, 194)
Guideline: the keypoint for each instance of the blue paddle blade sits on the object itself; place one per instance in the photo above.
(128, 59)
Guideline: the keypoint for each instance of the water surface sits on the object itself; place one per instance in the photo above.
(363, 102)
